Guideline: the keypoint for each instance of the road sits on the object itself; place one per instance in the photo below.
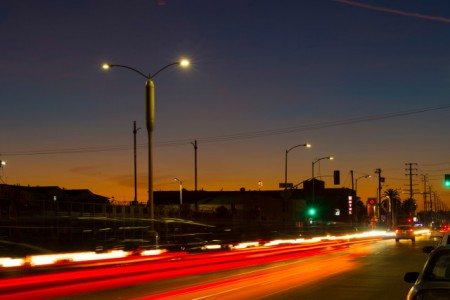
(369, 270)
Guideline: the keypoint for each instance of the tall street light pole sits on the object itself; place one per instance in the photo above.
(380, 179)
(356, 193)
(317, 160)
(286, 159)
(181, 192)
(150, 117)
(356, 182)
(312, 178)
(194, 143)
(135, 130)
(2, 164)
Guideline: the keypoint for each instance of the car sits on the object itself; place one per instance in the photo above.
(434, 281)
(444, 228)
(134, 246)
(405, 232)
(444, 242)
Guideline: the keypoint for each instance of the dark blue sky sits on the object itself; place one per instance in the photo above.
(256, 66)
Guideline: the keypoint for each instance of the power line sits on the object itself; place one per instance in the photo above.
(236, 136)
(437, 164)
(318, 125)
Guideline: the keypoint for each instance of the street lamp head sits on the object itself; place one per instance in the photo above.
(308, 145)
(105, 66)
(184, 63)
(330, 157)
(2, 163)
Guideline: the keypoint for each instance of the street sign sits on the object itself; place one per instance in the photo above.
(288, 185)
(350, 205)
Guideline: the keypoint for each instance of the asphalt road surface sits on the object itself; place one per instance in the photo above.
(360, 271)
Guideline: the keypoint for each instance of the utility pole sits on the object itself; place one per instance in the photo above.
(194, 143)
(431, 198)
(436, 207)
(351, 174)
(431, 204)
(437, 202)
(135, 130)
(425, 204)
(380, 180)
(410, 174)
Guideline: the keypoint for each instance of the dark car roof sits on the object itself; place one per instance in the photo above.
(438, 265)
(404, 226)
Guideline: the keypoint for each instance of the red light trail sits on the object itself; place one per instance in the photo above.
(102, 276)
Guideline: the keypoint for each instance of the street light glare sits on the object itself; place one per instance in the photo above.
(105, 66)
(308, 145)
(331, 158)
(3, 163)
(185, 63)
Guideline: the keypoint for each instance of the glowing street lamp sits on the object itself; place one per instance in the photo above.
(150, 116)
(185, 63)
(312, 178)
(317, 160)
(356, 182)
(306, 145)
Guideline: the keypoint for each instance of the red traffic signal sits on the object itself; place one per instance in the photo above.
(372, 201)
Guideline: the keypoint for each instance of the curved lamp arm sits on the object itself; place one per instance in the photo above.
(301, 145)
(163, 68)
(107, 66)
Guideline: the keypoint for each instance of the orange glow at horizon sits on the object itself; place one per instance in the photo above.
(121, 189)
(110, 174)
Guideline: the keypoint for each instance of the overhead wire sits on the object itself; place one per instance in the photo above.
(235, 136)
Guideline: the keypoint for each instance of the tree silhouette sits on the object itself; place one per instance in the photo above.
(396, 204)
(409, 206)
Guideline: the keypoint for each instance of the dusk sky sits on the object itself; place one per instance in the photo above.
(367, 82)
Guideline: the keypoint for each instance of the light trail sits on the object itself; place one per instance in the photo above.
(263, 282)
(80, 257)
(73, 282)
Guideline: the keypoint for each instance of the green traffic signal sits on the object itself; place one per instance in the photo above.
(447, 180)
(312, 211)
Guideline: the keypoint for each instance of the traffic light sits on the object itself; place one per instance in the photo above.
(337, 179)
(447, 180)
(372, 201)
(312, 211)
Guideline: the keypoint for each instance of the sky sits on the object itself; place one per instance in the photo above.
(367, 82)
